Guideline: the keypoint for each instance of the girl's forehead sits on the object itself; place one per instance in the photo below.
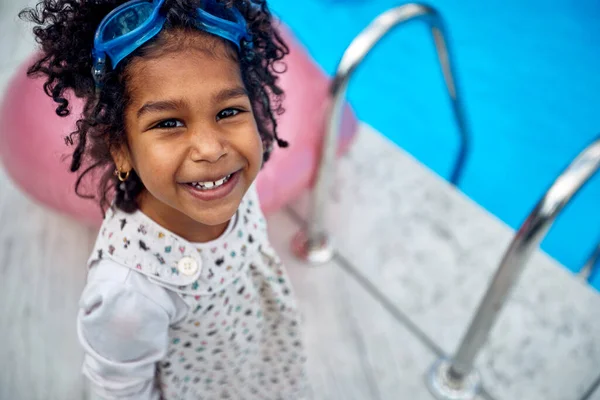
(192, 79)
(203, 61)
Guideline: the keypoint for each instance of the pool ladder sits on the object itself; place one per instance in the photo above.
(313, 243)
(450, 378)
(455, 378)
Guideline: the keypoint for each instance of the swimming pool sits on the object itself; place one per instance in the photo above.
(529, 74)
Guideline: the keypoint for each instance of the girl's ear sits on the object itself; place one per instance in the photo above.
(121, 157)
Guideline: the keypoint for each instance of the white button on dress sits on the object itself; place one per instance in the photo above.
(188, 266)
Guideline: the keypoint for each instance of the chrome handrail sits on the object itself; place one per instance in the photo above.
(313, 243)
(591, 265)
(456, 378)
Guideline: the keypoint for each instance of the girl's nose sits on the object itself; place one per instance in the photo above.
(207, 145)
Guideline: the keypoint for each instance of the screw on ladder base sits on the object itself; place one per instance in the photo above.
(445, 385)
(315, 252)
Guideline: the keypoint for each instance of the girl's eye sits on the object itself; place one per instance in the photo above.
(228, 113)
(169, 124)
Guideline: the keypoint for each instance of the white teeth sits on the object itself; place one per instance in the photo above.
(211, 185)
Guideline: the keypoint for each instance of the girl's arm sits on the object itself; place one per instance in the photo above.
(124, 333)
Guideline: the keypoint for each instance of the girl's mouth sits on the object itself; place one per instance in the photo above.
(213, 190)
(210, 185)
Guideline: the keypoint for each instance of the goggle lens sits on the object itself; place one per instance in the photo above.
(127, 21)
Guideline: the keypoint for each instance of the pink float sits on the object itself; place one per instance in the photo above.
(34, 153)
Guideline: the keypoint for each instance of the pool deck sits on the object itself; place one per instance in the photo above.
(413, 260)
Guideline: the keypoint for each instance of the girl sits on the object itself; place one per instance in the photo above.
(185, 297)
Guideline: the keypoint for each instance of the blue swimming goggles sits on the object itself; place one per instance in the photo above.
(132, 24)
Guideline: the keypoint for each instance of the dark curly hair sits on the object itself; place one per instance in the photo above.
(65, 30)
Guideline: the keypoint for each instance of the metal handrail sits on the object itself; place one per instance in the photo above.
(313, 244)
(456, 378)
(592, 264)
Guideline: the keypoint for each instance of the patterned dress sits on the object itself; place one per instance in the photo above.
(161, 317)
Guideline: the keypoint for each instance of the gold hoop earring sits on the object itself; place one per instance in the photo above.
(122, 176)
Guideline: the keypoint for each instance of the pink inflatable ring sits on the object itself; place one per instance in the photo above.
(33, 150)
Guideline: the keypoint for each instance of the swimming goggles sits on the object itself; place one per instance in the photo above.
(132, 24)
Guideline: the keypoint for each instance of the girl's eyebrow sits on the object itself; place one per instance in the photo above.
(162, 105)
(230, 93)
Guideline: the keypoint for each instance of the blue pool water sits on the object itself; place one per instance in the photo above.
(530, 77)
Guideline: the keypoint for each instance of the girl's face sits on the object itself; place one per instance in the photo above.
(192, 137)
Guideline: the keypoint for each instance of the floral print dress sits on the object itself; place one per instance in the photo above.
(163, 318)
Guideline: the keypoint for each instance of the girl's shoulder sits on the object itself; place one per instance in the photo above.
(112, 283)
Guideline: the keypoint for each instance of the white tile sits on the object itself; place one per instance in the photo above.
(595, 395)
(42, 258)
(5, 76)
(356, 349)
(432, 251)
(16, 41)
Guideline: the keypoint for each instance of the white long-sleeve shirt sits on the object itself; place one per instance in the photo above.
(161, 317)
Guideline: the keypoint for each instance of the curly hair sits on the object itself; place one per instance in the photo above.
(65, 30)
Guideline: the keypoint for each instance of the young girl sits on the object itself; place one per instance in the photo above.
(185, 297)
